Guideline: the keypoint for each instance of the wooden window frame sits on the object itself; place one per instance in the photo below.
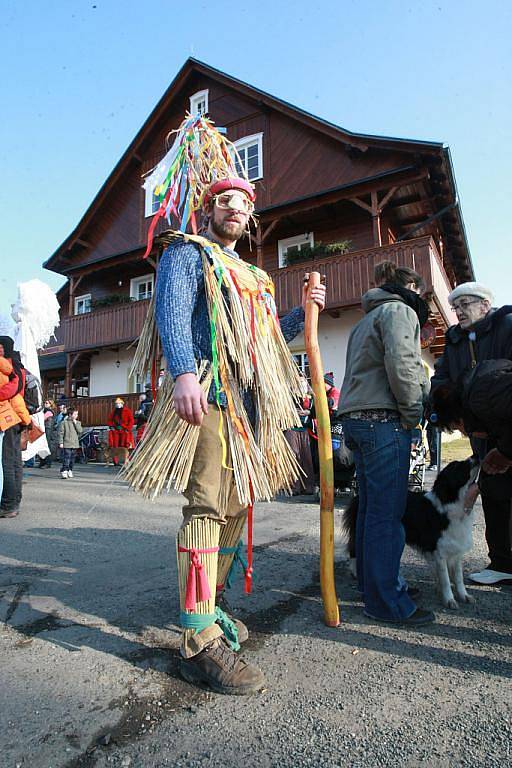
(305, 239)
(136, 281)
(81, 298)
(195, 101)
(249, 141)
(149, 199)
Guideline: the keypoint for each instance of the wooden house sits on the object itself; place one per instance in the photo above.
(346, 200)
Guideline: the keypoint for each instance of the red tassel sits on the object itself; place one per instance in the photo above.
(248, 572)
(190, 594)
(203, 592)
(197, 582)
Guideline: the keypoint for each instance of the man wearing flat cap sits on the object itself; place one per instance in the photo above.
(483, 333)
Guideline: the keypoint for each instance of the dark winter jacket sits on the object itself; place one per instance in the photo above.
(487, 402)
(493, 341)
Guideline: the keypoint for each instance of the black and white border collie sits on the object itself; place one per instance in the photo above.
(436, 524)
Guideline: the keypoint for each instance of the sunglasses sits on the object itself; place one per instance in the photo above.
(235, 201)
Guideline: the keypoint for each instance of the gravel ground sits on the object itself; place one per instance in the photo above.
(88, 671)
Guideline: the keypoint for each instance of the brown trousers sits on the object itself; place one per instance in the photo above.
(211, 490)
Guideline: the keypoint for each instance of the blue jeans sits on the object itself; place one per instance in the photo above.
(381, 453)
(68, 459)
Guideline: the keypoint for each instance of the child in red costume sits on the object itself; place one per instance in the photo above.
(121, 423)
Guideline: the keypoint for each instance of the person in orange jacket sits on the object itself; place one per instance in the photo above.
(13, 412)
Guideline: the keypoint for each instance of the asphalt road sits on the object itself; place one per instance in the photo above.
(88, 673)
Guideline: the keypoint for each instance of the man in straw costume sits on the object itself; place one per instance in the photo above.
(234, 391)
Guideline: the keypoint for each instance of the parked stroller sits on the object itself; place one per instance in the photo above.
(89, 444)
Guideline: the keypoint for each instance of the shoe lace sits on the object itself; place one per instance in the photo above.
(222, 653)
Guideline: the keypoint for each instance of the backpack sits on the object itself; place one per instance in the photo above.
(33, 394)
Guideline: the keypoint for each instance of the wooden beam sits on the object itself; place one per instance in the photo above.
(273, 224)
(68, 377)
(362, 204)
(259, 246)
(385, 200)
(377, 234)
(348, 192)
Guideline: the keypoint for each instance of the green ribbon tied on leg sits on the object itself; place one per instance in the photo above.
(228, 627)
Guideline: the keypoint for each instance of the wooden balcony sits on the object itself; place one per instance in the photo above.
(56, 343)
(119, 324)
(94, 411)
(350, 275)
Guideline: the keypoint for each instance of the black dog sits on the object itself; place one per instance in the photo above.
(438, 525)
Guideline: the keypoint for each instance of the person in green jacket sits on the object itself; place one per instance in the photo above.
(69, 432)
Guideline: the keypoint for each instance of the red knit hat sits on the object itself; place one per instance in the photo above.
(232, 182)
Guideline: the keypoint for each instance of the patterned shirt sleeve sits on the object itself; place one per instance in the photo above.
(179, 279)
(292, 323)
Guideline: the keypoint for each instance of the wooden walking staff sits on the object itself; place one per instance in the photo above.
(330, 601)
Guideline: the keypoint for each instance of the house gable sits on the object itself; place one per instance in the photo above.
(302, 156)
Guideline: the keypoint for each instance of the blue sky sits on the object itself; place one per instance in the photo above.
(79, 79)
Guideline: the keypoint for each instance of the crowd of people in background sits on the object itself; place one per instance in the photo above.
(383, 398)
(63, 430)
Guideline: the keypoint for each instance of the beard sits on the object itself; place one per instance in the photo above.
(227, 229)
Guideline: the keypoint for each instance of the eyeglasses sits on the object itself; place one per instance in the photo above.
(235, 201)
(462, 305)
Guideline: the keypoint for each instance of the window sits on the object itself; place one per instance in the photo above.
(302, 361)
(293, 245)
(250, 150)
(82, 304)
(142, 384)
(152, 203)
(199, 103)
(141, 287)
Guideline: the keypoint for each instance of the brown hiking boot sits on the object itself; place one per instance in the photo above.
(243, 632)
(218, 667)
(222, 603)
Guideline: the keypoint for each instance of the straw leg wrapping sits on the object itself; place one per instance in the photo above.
(198, 534)
(230, 536)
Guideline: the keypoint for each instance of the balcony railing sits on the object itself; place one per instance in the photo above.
(350, 275)
(118, 324)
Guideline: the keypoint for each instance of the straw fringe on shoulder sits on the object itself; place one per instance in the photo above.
(249, 352)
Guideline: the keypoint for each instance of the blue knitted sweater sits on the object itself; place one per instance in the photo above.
(182, 310)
